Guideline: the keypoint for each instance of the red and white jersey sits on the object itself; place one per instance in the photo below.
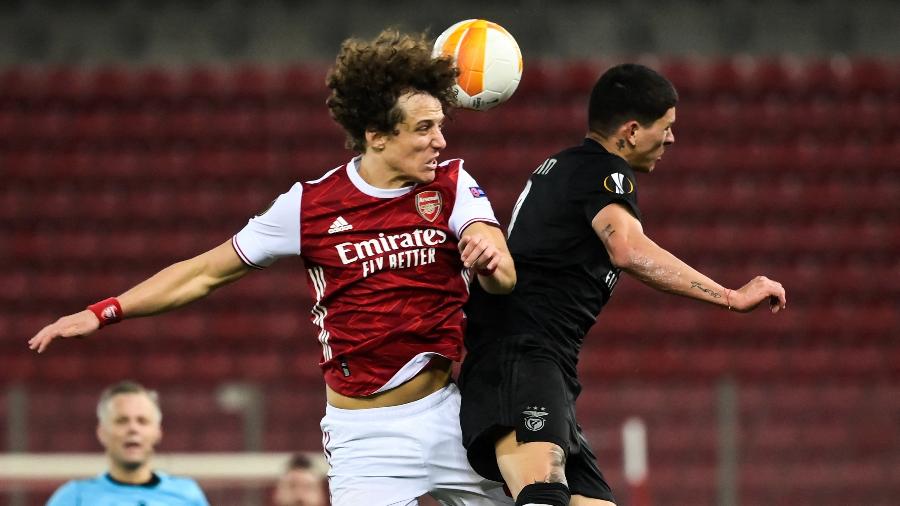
(383, 268)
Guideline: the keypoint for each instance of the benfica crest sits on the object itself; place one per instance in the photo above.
(429, 204)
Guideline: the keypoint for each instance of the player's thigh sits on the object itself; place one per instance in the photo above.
(374, 456)
(522, 464)
(580, 500)
(453, 481)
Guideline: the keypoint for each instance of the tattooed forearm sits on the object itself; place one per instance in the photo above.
(702, 288)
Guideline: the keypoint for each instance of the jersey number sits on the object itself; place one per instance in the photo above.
(515, 214)
(542, 170)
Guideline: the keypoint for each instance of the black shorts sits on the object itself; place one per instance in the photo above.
(515, 385)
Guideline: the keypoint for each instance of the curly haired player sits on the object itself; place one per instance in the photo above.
(391, 240)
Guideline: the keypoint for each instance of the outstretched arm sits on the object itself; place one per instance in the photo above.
(168, 289)
(633, 252)
(483, 249)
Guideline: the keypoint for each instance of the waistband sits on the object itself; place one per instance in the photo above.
(392, 412)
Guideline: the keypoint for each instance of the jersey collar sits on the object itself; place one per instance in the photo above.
(591, 143)
(363, 186)
(154, 481)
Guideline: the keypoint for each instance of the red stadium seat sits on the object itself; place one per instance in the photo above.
(871, 75)
(304, 83)
(265, 365)
(687, 74)
(19, 83)
(828, 77)
(111, 84)
(776, 75)
(206, 84)
(156, 86)
(254, 83)
(163, 368)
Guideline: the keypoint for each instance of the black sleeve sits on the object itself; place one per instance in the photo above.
(602, 181)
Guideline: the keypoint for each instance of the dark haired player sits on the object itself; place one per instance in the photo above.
(574, 228)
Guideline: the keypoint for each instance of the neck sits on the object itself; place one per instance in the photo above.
(615, 146)
(138, 476)
(374, 170)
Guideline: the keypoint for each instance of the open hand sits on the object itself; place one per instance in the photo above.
(74, 325)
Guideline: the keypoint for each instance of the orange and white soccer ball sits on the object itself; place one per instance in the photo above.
(489, 61)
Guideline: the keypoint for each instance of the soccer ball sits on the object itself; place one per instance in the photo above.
(489, 62)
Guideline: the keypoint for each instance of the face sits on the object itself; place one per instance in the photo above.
(130, 430)
(650, 142)
(410, 154)
(299, 487)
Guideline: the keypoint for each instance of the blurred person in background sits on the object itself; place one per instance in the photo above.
(390, 240)
(574, 229)
(129, 428)
(300, 485)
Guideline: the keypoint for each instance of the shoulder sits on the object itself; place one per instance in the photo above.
(71, 491)
(594, 160)
(449, 173)
(331, 174)
(181, 482)
(587, 168)
(450, 168)
(452, 164)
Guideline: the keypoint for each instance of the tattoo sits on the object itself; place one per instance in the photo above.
(620, 144)
(607, 232)
(558, 466)
(555, 477)
(702, 288)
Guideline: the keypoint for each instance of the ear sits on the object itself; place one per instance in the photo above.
(376, 140)
(101, 436)
(631, 129)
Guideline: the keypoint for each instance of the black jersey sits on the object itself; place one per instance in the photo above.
(564, 273)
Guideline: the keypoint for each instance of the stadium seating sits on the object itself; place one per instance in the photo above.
(783, 167)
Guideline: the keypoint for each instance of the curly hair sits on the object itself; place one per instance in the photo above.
(368, 76)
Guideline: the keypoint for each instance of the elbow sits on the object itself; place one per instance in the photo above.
(622, 257)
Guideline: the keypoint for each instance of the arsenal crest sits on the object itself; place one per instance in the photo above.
(429, 204)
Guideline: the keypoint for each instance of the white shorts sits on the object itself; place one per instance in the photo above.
(391, 456)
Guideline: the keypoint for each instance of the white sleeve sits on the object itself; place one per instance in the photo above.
(273, 234)
(471, 204)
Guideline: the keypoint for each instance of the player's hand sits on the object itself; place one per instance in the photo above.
(759, 289)
(74, 325)
(479, 253)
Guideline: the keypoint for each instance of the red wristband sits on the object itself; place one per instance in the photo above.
(108, 311)
(728, 298)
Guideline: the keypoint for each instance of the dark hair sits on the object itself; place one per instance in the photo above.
(629, 92)
(368, 77)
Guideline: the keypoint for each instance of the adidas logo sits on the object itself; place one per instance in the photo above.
(339, 225)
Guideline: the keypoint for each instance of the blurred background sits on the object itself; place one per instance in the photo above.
(135, 133)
